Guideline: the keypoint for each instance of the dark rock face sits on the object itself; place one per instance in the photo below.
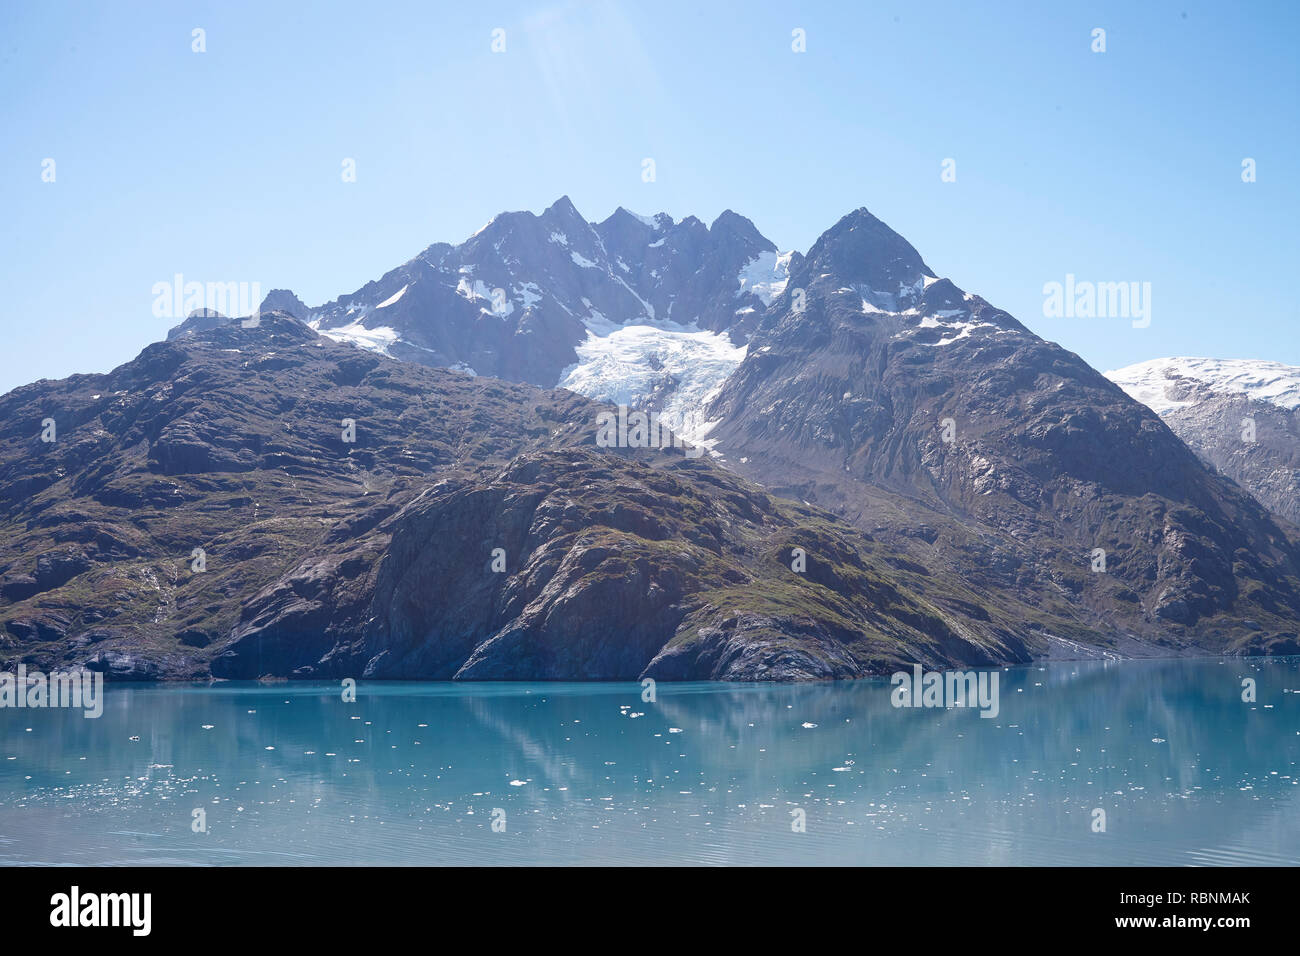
(901, 403)
(201, 513)
(611, 568)
(282, 300)
(1268, 466)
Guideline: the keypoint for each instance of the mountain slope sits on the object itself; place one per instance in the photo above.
(1241, 417)
(374, 557)
(939, 422)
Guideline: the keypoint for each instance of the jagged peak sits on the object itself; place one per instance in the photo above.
(562, 208)
(560, 211)
(732, 223)
(284, 300)
(860, 248)
(659, 221)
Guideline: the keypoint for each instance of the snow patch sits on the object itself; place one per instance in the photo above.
(962, 330)
(378, 339)
(393, 298)
(477, 290)
(529, 294)
(651, 222)
(765, 275)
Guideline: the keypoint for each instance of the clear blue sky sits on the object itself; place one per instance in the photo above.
(225, 165)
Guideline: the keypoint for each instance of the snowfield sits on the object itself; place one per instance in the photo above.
(378, 339)
(1167, 384)
(674, 372)
(766, 275)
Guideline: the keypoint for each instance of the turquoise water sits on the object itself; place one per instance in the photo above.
(411, 773)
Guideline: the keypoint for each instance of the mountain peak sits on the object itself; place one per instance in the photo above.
(863, 229)
(284, 300)
(861, 249)
(658, 221)
(732, 223)
(562, 208)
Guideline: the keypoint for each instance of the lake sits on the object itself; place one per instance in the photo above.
(1184, 770)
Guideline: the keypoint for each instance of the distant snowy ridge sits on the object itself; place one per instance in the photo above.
(1167, 384)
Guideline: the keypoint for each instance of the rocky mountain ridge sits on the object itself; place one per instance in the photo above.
(625, 310)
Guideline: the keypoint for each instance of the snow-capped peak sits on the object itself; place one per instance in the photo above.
(656, 314)
(1167, 384)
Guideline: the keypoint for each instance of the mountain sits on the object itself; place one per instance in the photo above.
(282, 300)
(1240, 416)
(940, 424)
(899, 471)
(201, 513)
(646, 311)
